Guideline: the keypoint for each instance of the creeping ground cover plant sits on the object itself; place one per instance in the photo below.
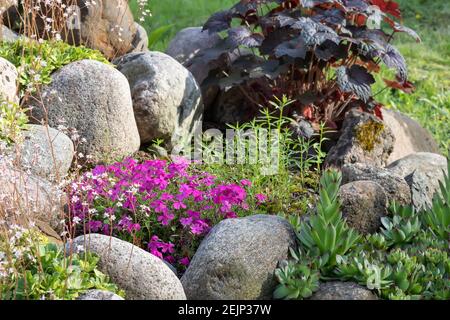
(407, 259)
(321, 53)
(165, 207)
(32, 268)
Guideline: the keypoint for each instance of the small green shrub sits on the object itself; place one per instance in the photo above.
(12, 120)
(296, 161)
(326, 232)
(36, 61)
(297, 281)
(31, 269)
(437, 218)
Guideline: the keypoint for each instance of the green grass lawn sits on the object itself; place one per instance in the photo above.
(429, 62)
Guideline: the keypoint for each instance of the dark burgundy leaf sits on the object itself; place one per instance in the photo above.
(314, 33)
(401, 28)
(334, 17)
(270, 69)
(355, 79)
(388, 6)
(314, 3)
(302, 128)
(273, 39)
(392, 58)
(242, 36)
(359, 5)
(235, 78)
(404, 86)
(329, 50)
(285, 20)
(218, 21)
(309, 98)
(295, 48)
(209, 55)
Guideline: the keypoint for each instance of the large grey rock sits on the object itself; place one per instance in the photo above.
(410, 136)
(95, 99)
(105, 25)
(7, 34)
(336, 290)
(167, 100)
(364, 138)
(422, 171)
(238, 258)
(140, 40)
(46, 152)
(364, 203)
(140, 274)
(231, 106)
(99, 295)
(6, 4)
(8, 81)
(188, 42)
(393, 184)
(27, 197)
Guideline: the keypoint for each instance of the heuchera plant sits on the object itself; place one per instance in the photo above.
(321, 53)
(163, 207)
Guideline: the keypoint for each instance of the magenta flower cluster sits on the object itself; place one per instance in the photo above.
(164, 207)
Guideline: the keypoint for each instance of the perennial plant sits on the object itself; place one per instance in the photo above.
(164, 207)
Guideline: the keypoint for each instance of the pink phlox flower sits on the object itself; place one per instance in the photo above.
(193, 214)
(166, 196)
(261, 198)
(186, 221)
(179, 205)
(159, 206)
(226, 206)
(95, 226)
(199, 227)
(230, 215)
(166, 218)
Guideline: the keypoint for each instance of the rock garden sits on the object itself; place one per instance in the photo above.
(268, 150)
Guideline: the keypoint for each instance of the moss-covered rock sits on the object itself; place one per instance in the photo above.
(365, 139)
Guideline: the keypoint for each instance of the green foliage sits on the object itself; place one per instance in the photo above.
(157, 34)
(12, 120)
(437, 218)
(429, 68)
(297, 280)
(429, 61)
(36, 61)
(40, 270)
(187, 14)
(327, 232)
(413, 271)
(407, 260)
(402, 227)
(296, 163)
(362, 270)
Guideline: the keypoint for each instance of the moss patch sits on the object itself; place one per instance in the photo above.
(368, 134)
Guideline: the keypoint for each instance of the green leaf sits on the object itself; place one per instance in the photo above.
(157, 34)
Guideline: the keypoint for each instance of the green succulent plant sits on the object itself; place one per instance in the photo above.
(407, 260)
(296, 280)
(327, 231)
(437, 218)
